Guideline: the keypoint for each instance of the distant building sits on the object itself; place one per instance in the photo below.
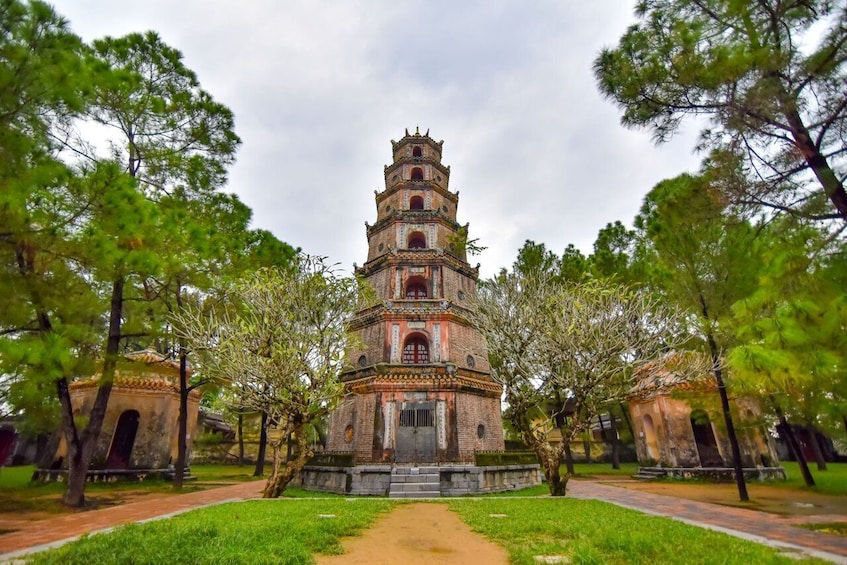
(140, 429)
(680, 425)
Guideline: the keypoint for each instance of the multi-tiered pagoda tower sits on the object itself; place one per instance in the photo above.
(421, 389)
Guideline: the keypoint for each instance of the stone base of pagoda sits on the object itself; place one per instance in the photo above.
(417, 415)
(452, 479)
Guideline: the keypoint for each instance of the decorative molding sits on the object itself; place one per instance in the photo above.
(395, 343)
(388, 419)
(441, 423)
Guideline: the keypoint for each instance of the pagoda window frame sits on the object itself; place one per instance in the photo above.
(416, 202)
(416, 349)
(416, 289)
(417, 240)
(417, 173)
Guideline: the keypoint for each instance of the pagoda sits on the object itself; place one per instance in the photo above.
(418, 377)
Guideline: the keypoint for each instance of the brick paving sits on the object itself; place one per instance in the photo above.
(773, 529)
(54, 530)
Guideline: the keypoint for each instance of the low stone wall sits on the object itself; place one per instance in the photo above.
(722, 474)
(462, 480)
(455, 480)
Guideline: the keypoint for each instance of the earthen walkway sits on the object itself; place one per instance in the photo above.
(778, 531)
(772, 529)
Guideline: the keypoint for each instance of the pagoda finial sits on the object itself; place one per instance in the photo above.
(417, 130)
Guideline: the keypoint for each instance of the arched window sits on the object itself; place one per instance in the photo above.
(417, 173)
(416, 289)
(416, 151)
(416, 350)
(417, 240)
(416, 203)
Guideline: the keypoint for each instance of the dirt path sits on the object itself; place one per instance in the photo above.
(419, 533)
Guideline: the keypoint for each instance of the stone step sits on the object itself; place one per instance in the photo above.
(414, 470)
(413, 487)
(649, 474)
(416, 494)
(428, 478)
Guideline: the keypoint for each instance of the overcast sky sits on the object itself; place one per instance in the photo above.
(320, 88)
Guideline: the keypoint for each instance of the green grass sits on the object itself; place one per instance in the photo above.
(223, 473)
(259, 531)
(593, 532)
(602, 469)
(15, 477)
(832, 481)
(837, 528)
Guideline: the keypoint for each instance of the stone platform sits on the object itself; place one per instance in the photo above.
(717, 474)
(441, 480)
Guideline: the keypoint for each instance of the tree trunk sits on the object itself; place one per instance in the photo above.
(181, 447)
(794, 445)
(551, 461)
(816, 161)
(816, 447)
(568, 460)
(616, 457)
(240, 439)
(727, 416)
(284, 474)
(263, 443)
(586, 445)
(80, 445)
(625, 414)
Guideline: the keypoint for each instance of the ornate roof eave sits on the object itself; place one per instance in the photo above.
(439, 376)
(388, 169)
(416, 185)
(417, 257)
(123, 382)
(417, 137)
(402, 309)
(411, 216)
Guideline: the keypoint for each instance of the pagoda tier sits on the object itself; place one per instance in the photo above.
(420, 386)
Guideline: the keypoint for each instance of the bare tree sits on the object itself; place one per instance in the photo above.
(564, 353)
(282, 348)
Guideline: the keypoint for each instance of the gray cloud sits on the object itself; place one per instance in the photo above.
(319, 89)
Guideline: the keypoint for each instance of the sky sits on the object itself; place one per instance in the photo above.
(319, 90)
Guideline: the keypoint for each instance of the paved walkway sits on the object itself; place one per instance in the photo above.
(776, 531)
(772, 529)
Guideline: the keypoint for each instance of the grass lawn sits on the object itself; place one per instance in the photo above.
(589, 532)
(290, 531)
(258, 531)
(602, 470)
(831, 481)
(18, 494)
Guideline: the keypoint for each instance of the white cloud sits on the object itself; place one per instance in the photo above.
(319, 90)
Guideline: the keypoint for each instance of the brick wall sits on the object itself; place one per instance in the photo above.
(471, 412)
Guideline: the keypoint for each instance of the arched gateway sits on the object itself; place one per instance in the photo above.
(424, 389)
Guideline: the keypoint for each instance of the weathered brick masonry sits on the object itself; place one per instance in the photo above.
(420, 386)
